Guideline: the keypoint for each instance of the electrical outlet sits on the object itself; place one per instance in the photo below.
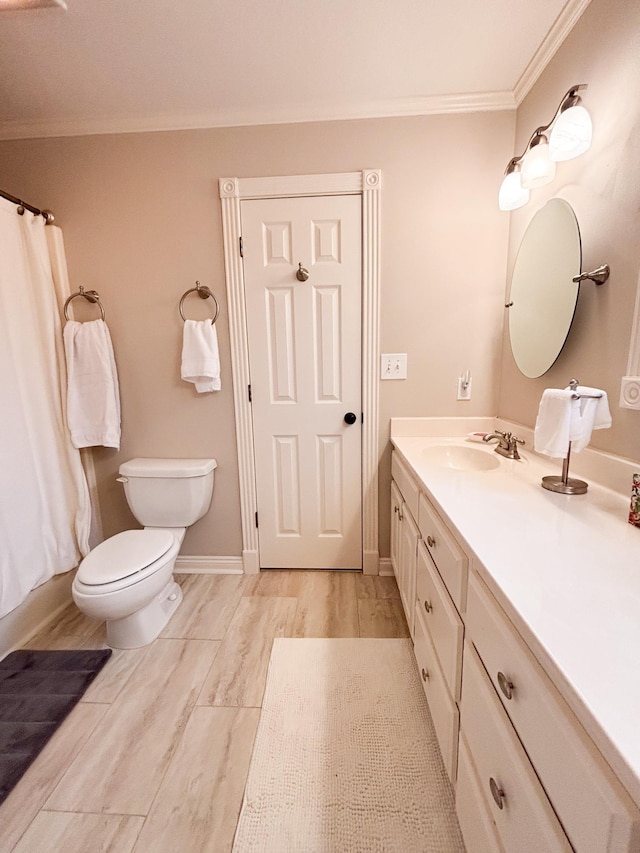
(393, 365)
(464, 386)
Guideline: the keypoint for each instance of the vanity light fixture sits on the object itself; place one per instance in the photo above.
(567, 135)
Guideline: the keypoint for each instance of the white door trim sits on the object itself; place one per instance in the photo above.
(232, 190)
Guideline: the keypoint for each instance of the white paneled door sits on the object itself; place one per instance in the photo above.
(303, 280)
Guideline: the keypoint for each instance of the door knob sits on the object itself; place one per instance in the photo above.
(301, 273)
(350, 418)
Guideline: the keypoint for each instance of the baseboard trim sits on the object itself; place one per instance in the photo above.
(209, 565)
(386, 569)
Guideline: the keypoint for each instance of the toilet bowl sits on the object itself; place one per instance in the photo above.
(127, 580)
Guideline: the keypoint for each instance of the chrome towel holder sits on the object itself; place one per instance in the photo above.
(90, 295)
(565, 484)
(204, 293)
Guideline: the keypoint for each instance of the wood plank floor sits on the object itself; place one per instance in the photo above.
(155, 757)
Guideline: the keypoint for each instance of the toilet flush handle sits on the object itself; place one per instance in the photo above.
(122, 479)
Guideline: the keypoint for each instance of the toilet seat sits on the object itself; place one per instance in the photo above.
(125, 559)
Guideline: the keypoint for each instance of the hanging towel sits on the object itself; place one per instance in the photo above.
(592, 412)
(93, 396)
(553, 424)
(200, 356)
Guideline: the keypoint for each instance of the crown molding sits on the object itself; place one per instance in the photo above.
(560, 29)
(429, 105)
(303, 113)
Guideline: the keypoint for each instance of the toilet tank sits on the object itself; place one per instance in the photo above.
(168, 492)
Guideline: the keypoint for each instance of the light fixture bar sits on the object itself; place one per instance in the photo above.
(570, 136)
(571, 93)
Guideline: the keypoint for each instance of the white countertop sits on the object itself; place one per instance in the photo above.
(566, 569)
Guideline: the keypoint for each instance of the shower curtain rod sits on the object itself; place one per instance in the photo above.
(48, 216)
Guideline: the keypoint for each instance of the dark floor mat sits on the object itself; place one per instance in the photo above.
(37, 691)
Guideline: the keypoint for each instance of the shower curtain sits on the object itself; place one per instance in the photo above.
(45, 511)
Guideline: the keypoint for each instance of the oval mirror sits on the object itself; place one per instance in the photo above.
(543, 296)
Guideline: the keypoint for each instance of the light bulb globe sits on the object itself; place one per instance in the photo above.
(538, 168)
(571, 134)
(512, 194)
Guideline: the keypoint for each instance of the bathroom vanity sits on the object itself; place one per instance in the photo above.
(524, 609)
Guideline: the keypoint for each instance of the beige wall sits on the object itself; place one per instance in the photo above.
(141, 218)
(603, 187)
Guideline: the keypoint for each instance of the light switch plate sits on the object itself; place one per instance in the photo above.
(393, 365)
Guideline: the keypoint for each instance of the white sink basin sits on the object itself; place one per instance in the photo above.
(461, 458)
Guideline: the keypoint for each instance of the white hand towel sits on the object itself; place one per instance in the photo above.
(553, 424)
(200, 356)
(592, 412)
(93, 395)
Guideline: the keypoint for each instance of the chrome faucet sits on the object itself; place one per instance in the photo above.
(507, 443)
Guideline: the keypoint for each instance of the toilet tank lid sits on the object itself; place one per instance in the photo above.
(167, 467)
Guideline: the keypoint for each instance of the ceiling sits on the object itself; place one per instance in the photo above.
(125, 65)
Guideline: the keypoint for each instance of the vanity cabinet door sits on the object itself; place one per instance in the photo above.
(602, 819)
(408, 544)
(524, 818)
(478, 828)
(396, 507)
(450, 559)
(441, 619)
(444, 711)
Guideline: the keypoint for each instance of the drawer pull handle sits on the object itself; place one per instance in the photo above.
(497, 793)
(428, 607)
(400, 516)
(431, 542)
(506, 685)
(396, 508)
(425, 674)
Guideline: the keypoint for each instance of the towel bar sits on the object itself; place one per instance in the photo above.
(89, 295)
(204, 293)
(573, 385)
(565, 484)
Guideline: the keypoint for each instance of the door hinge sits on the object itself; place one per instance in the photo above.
(249, 392)
(256, 519)
(241, 247)
(361, 417)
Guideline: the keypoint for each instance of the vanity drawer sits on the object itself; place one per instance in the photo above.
(602, 818)
(441, 619)
(450, 559)
(405, 482)
(478, 828)
(444, 711)
(525, 821)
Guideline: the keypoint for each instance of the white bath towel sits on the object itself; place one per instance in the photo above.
(592, 412)
(93, 394)
(200, 356)
(553, 424)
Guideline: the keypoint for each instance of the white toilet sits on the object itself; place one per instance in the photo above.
(127, 580)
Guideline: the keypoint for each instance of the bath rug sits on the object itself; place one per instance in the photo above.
(346, 757)
(37, 691)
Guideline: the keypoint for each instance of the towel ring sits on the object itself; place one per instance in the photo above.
(89, 295)
(204, 293)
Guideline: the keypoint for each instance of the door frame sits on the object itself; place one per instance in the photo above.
(367, 184)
